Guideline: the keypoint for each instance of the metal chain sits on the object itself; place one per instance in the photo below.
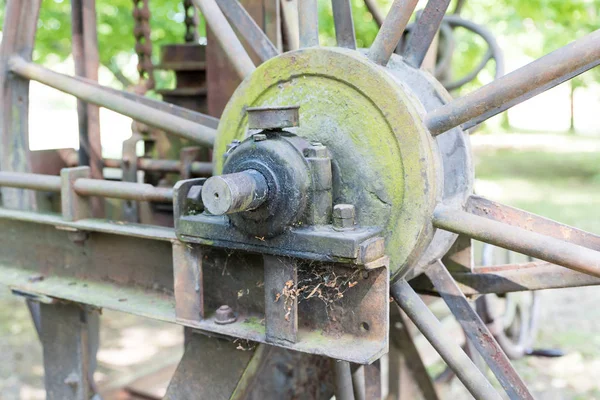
(143, 44)
(191, 22)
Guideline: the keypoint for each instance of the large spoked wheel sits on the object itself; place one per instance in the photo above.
(413, 172)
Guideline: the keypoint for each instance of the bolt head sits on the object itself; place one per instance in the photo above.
(225, 315)
(343, 211)
(316, 150)
(259, 137)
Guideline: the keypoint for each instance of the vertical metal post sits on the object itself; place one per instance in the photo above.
(86, 58)
(66, 352)
(129, 168)
(281, 302)
(20, 25)
(343, 380)
(308, 23)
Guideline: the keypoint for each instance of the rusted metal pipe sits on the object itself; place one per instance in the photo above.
(244, 23)
(390, 33)
(434, 332)
(238, 56)
(122, 190)
(427, 26)
(518, 86)
(546, 248)
(478, 333)
(95, 94)
(23, 180)
(198, 168)
(308, 23)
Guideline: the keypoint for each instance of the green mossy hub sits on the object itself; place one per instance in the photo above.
(384, 159)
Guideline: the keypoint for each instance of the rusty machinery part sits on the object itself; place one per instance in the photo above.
(338, 176)
(143, 44)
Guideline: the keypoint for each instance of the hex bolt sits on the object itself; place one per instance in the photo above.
(343, 217)
(316, 150)
(259, 137)
(231, 193)
(225, 315)
(194, 197)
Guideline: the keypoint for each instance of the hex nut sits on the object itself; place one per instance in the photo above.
(343, 211)
(259, 137)
(316, 150)
(225, 315)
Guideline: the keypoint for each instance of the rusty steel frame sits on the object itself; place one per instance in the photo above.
(168, 280)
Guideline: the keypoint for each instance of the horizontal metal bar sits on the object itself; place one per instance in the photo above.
(244, 23)
(450, 352)
(536, 245)
(238, 56)
(392, 30)
(95, 94)
(198, 168)
(122, 190)
(518, 86)
(478, 333)
(23, 180)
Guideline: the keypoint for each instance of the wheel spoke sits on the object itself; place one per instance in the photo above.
(238, 56)
(344, 25)
(375, 11)
(391, 31)
(426, 28)
(432, 329)
(538, 275)
(518, 86)
(96, 94)
(247, 27)
(308, 23)
(510, 235)
(478, 333)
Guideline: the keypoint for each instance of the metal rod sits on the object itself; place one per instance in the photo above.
(198, 168)
(308, 23)
(96, 95)
(426, 28)
(122, 190)
(344, 25)
(245, 24)
(434, 332)
(373, 8)
(477, 332)
(391, 31)
(238, 56)
(518, 86)
(23, 180)
(343, 380)
(521, 277)
(359, 383)
(546, 248)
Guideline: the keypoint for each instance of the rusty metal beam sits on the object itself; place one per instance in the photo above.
(249, 29)
(452, 354)
(424, 33)
(95, 94)
(515, 238)
(226, 37)
(518, 86)
(308, 23)
(391, 31)
(478, 333)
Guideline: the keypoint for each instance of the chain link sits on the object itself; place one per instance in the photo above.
(191, 22)
(143, 44)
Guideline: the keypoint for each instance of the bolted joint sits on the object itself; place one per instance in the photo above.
(225, 315)
(237, 192)
(343, 216)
